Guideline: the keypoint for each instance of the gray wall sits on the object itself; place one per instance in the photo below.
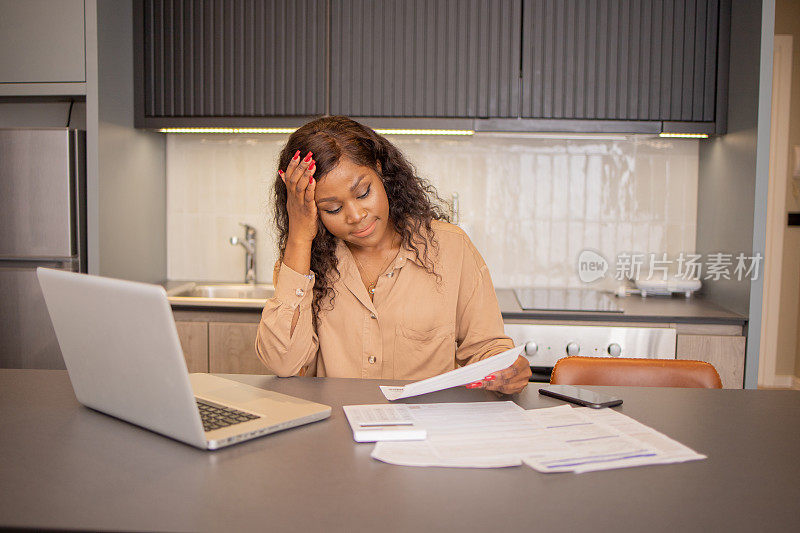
(131, 163)
(733, 169)
(762, 182)
(727, 168)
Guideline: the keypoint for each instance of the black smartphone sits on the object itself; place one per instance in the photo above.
(585, 397)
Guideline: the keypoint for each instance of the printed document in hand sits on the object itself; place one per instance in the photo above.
(455, 378)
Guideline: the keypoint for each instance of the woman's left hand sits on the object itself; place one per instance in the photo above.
(510, 380)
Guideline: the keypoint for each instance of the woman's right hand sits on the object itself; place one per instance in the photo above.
(300, 205)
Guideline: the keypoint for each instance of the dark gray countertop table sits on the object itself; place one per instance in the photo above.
(68, 467)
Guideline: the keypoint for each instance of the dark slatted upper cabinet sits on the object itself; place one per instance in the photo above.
(425, 58)
(515, 65)
(620, 59)
(230, 58)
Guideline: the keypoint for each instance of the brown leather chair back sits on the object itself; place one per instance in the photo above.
(578, 370)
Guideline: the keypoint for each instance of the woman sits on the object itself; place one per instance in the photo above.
(372, 281)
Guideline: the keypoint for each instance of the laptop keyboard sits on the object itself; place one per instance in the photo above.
(216, 417)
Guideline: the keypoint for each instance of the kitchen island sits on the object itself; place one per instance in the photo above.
(68, 467)
(218, 335)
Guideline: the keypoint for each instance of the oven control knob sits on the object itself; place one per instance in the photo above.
(614, 349)
(573, 348)
(531, 348)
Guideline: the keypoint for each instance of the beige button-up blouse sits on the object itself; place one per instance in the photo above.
(416, 327)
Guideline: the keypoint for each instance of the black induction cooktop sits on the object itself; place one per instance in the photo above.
(556, 299)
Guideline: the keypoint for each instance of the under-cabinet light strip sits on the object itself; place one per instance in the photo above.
(685, 135)
(227, 130)
(424, 132)
(381, 131)
(291, 130)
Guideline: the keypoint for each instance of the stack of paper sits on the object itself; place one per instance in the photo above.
(558, 439)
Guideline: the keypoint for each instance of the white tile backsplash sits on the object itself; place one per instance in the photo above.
(530, 204)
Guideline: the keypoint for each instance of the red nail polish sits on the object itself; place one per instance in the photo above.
(296, 155)
(307, 158)
(311, 167)
(311, 180)
(474, 385)
(280, 172)
(488, 378)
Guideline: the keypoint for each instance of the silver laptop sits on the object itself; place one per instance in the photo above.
(122, 352)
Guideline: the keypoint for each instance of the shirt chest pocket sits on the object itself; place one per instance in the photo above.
(420, 354)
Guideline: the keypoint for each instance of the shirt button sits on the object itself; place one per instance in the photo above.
(371, 359)
(373, 316)
(299, 292)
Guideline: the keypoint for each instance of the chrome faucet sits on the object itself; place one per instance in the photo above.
(249, 244)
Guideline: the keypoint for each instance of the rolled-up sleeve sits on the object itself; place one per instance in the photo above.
(479, 323)
(283, 351)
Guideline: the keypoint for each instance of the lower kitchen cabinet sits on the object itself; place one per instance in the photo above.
(219, 341)
(231, 349)
(224, 342)
(194, 341)
(725, 352)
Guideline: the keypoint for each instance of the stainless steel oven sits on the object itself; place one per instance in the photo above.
(547, 343)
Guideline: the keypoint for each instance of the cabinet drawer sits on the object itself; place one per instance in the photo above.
(725, 352)
(194, 342)
(231, 349)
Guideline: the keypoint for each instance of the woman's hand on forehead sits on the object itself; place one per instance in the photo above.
(300, 205)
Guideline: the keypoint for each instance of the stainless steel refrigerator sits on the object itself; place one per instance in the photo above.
(42, 223)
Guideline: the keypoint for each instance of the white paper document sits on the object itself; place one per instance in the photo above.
(371, 423)
(479, 434)
(455, 378)
(557, 439)
(602, 439)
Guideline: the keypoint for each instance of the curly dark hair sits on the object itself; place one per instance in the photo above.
(413, 202)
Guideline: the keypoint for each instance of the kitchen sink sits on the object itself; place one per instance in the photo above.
(251, 292)
(220, 293)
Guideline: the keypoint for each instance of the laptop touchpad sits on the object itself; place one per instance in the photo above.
(228, 391)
